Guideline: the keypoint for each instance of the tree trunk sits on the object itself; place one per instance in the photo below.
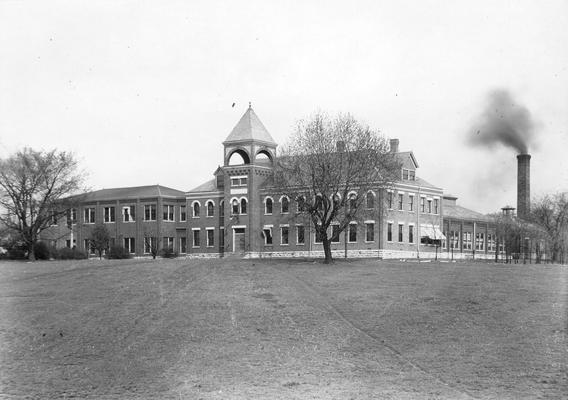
(31, 251)
(327, 251)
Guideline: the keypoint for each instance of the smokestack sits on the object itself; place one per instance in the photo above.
(394, 145)
(523, 185)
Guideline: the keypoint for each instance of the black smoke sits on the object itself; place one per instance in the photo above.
(503, 121)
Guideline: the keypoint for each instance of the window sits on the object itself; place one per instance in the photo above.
(168, 213)
(268, 205)
(370, 232)
(300, 231)
(196, 238)
(408, 174)
(423, 204)
(150, 212)
(389, 200)
(370, 200)
(436, 206)
(410, 233)
(196, 208)
(352, 202)
(210, 209)
(68, 243)
(149, 245)
(284, 235)
(352, 233)
(53, 219)
(389, 232)
(285, 205)
(72, 216)
(243, 206)
(235, 207)
(183, 245)
(335, 233)
(89, 247)
(467, 241)
(168, 242)
(454, 240)
(429, 206)
(400, 201)
(267, 232)
(128, 213)
(400, 232)
(129, 245)
(411, 175)
(89, 214)
(410, 202)
(444, 240)
(222, 208)
(318, 236)
(221, 237)
(239, 181)
(490, 242)
(480, 241)
(301, 204)
(182, 213)
(405, 174)
(210, 237)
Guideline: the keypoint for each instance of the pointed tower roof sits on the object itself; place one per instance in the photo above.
(249, 128)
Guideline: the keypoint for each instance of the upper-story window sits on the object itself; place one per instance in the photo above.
(210, 209)
(235, 207)
(89, 215)
(422, 204)
(150, 212)
(168, 213)
(109, 215)
(400, 201)
(182, 213)
(285, 205)
(243, 206)
(301, 203)
(196, 209)
(408, 174)
(72, 216)
(222, 208)
(268, 205)
(429, 206)
(370, 200)
(436, 206)
(241, 181)
(410, 202)
(389, 199)
(352, 202)
(128, 213)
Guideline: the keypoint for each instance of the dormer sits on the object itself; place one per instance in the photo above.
(407, 160)
(249, 143)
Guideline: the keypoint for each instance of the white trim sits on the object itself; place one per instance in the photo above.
(268, 226)
(284, 225)
(369, 221)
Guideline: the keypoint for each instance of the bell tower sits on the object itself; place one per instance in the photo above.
(248, 157)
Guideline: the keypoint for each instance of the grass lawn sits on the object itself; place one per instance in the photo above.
(232, 329)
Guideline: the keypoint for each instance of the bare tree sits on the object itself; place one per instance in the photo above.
(100, 239)
(151, 241)
(551, 213)
(329, 166)
(34, 190)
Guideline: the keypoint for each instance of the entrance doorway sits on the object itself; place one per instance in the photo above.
(238, 240)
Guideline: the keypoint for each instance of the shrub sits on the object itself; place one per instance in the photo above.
(169, 253)
(16, 253)
(118, 253)
(65, 253)
(42, 251)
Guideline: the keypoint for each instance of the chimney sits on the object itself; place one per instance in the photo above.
(523, 185)
(394, 145)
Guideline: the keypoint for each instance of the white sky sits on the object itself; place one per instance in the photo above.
(141, 91)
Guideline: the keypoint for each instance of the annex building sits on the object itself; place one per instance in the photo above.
(238, 213)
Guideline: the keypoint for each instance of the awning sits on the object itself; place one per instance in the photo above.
(431, 231)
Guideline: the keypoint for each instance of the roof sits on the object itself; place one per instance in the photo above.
(209, 186)
(459, 212)
(407, 158)
(249, 128)
(131, 193)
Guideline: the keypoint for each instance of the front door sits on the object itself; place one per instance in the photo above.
(239, 240)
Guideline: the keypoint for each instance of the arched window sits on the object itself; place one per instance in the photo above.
(319, 202)
(352, 201)
(243, 206)
(210, 209)
(196, 209)
(284, 205)
(222, 208)
(268, 206)
(301, 203)
(235, 207)
(370, 200)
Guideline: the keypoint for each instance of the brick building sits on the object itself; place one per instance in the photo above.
(238, 213)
